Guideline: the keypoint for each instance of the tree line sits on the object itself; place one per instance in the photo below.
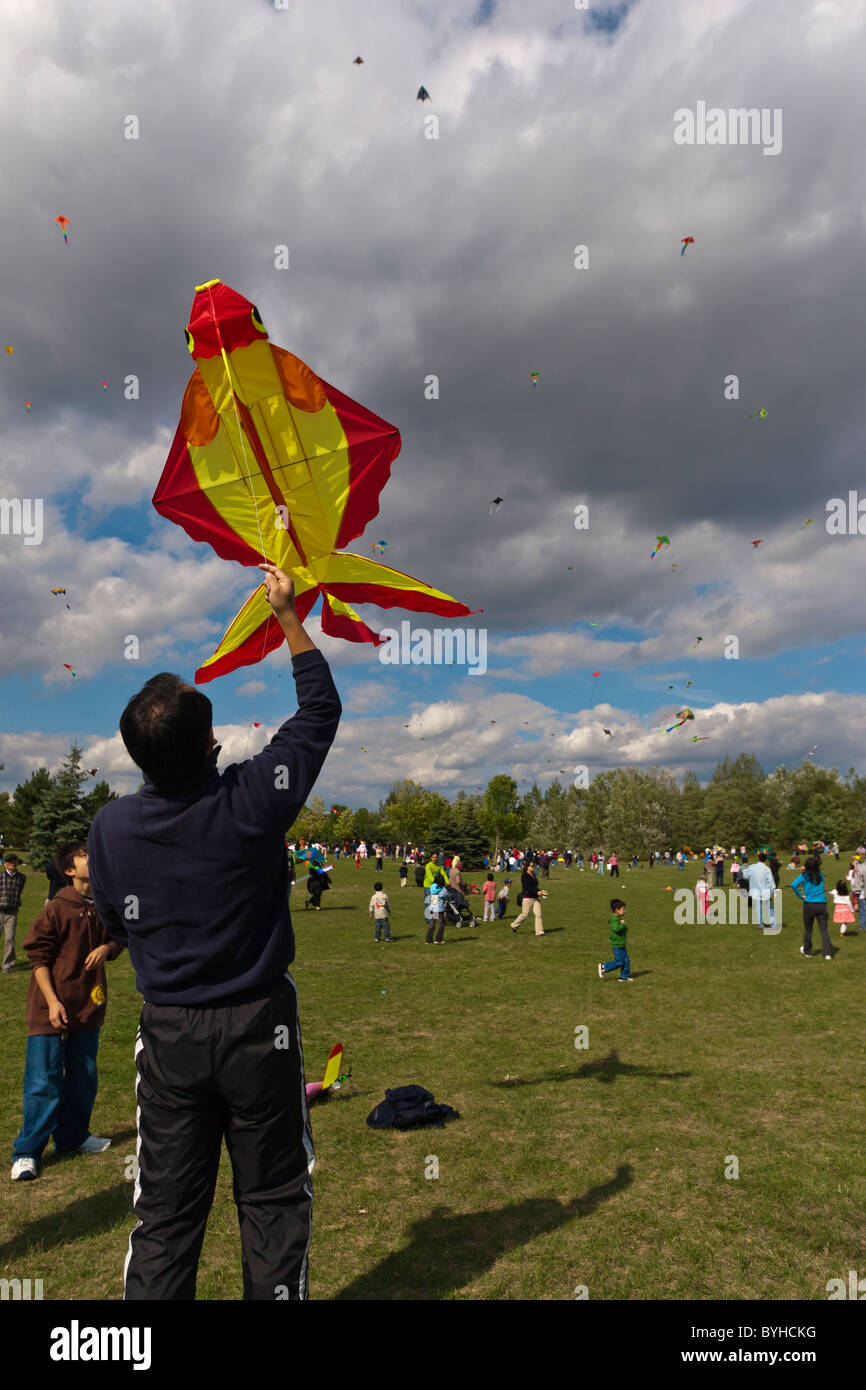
(625, 809)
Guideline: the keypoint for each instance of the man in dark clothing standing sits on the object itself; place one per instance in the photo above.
(191, 874)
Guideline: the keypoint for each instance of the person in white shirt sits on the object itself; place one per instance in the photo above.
(761, 886)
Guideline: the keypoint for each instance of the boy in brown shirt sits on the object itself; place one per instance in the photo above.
(67, 946)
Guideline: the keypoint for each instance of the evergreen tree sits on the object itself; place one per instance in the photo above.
(61, 814)
(25, 799)
(472, 841)
(443, 835)
(96, 798)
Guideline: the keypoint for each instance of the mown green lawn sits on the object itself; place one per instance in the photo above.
(602, 1167)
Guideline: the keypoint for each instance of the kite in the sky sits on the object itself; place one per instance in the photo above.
(358, 60)
(496, 504)
(592, 624)
(687, 241)
(58, 591)
(608, 732)
(758, 415)
(63, 223)
(702, 739)
(674, 568)
(756, 544)
(256, 724)
(92, 771)
(105, 385)
(9, 349)
(363, 749)
(69, 668)
(423, 94)
(811, 751)
(698, 642)
(688, 683)
(27, 404)
(534, 376)
(807, 522)
(683, 716)
(379, 547)
(660, 541)
(595, 676)
(669, 689)
(270, 463)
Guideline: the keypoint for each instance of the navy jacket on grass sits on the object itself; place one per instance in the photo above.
(194, 880)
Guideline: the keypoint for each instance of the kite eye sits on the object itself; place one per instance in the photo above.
(189, 341)
(257, 320)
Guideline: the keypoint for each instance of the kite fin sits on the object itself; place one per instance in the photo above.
(367, 581)
(332, 1069)
(332, 1073)
(253, 633)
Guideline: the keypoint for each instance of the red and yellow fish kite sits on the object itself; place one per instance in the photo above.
(269, 462)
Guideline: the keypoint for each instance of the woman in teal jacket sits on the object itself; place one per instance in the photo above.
(814, 900)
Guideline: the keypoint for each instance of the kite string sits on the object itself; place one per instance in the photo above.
(241, 437)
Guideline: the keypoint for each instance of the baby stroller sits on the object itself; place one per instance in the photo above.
(457, 909)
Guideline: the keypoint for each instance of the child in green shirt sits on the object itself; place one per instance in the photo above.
(618, 930)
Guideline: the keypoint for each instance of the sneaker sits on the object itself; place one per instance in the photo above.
(93, 1145)
(628, 980)
(600, 971)
(828, 957)
(804, 952)
(24, 1169)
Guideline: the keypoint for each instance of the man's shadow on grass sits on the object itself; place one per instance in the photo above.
(607, 1070)
(100, 1211)
(446, 1251)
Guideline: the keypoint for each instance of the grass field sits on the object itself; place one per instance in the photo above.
(602, 1167)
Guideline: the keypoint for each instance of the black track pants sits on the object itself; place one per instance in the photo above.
(206, 1073)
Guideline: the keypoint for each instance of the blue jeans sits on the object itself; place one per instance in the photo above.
(620, 961)
(863, 914)
(59, 1092)
(765, 911)
(383, 923)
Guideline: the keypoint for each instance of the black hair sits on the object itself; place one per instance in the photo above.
(166, 730)
(490, 878)
(843, 888)
(64, 857)
(616, 904)
(378, 887)
(762, 856)
(812, 870)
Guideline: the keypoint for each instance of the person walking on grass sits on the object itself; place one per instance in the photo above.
(530, 903)
(843, 907)
(814, 900)
(618, 933)
(190, 872)
(613, 865)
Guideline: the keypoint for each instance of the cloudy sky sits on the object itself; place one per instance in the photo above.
(454, 256)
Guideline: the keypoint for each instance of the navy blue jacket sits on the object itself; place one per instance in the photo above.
(193, 880)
